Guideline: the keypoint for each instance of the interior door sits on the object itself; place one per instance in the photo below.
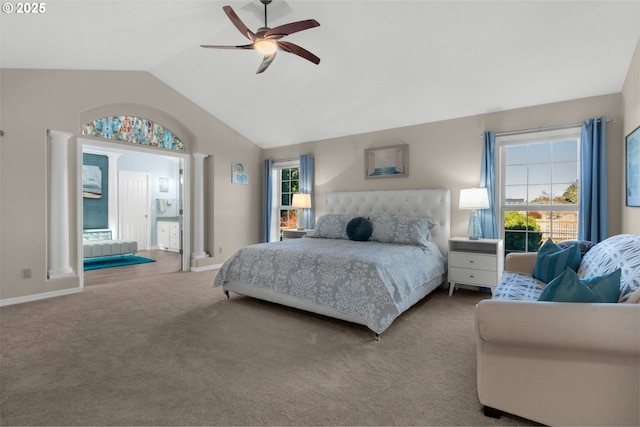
(133, 203)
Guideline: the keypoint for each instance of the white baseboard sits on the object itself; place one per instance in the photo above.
(206, 267)
(36, 297)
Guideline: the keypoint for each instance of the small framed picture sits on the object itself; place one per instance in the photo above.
(633, 168)
(387, 162)
(238, 174)
(164, 185)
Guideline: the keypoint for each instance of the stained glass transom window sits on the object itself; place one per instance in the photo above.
(134, 130)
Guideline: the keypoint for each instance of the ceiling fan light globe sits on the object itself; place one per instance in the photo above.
(265, 46)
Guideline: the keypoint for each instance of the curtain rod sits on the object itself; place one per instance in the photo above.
(543, 128)
(290, 159)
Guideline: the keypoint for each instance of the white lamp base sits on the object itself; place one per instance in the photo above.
(474, 230)
(301, 219)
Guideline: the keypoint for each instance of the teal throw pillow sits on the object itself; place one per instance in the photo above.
(551, 261)
(568, 287)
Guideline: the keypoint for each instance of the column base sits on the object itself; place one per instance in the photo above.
(62, 275)
(200, 255)
(204, 264)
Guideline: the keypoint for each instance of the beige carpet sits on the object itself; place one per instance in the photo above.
(170, 350)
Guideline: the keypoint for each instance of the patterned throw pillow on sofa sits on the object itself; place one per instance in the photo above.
(552, 261)
(620, 251)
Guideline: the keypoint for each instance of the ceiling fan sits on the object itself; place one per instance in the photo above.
(267, 40)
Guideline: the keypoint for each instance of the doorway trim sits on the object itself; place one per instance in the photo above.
(185, 160)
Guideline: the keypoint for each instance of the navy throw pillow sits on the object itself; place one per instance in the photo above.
(584, 245)
(359, 229)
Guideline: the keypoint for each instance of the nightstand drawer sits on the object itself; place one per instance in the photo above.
(473, 277)
(474, 261)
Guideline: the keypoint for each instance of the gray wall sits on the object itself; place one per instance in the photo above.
(631, 102)
(36, 100)
(447, 154)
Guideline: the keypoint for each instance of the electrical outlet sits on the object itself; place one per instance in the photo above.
(220, 250)
(26, 273)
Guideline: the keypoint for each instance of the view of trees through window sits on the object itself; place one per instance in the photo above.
(540, 190)
(289, 185)
(525, 231)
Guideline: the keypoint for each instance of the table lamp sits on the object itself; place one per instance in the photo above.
(301, 201)
(474, 198)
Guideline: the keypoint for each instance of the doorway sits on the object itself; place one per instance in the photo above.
(133, 209)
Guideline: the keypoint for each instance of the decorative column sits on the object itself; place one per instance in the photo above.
(198, 206)
(113, 194)
(59, 206)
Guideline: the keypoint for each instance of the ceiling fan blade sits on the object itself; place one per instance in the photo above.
(266, 61)
(238, 23)
(211, 46)
(293, 27)
(297, 50)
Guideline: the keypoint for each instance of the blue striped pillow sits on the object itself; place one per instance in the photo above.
(552, 261)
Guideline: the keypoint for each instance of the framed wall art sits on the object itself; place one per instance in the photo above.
(387, 162)
(238, 174)
(91, 182)
(633, 168)
(164, 185)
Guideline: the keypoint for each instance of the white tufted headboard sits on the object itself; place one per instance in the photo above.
(432, 203)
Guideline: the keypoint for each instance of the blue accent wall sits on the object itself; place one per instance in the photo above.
(96, 211)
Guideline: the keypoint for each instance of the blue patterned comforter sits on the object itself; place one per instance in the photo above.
(367, 280)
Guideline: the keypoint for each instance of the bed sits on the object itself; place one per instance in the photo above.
(367, 282)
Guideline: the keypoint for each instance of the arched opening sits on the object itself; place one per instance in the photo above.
(147, 179)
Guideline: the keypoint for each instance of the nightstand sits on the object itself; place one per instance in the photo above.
(475, 262)
(292, 233)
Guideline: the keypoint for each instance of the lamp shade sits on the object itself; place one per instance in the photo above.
(301, 201)
(473, 198)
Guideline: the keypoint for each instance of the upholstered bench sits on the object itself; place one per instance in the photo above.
(98, 243)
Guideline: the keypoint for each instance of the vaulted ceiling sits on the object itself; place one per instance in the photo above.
(384, 64)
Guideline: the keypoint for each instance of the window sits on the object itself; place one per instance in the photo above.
(289, 184)
(538, 184)
(134, 130)
(286, 181)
